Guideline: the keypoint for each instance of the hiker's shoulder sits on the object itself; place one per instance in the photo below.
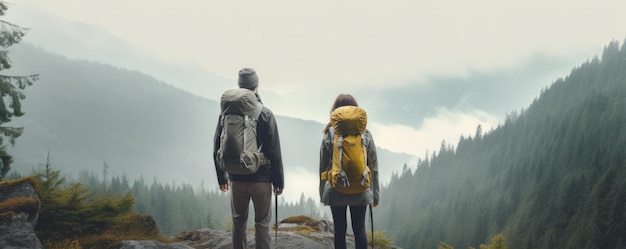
(267, 114)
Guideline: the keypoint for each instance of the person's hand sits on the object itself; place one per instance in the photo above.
(374, 205)
(278, 191)
(224, 187)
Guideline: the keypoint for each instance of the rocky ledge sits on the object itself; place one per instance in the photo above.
(19, 210)
(294, 232)
(20, 205)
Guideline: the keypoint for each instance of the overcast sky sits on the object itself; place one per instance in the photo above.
(302, 48)
(329, 42)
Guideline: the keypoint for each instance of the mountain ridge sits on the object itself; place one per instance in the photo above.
(551, 176)
(86, 114)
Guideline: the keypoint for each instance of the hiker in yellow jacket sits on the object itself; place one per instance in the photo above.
(339, 188)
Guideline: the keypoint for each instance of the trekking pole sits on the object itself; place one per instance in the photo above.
(372, 222)
(276, 219)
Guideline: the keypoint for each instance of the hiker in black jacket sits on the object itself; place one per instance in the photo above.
(258, 186)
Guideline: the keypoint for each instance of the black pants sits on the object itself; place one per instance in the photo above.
(357, 214)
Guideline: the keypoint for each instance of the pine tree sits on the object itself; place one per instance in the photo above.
(209, 220)
(444, 245)
(497, 242)
(10, 89)
(69, 210)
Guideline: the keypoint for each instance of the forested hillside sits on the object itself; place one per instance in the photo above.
(551, 176)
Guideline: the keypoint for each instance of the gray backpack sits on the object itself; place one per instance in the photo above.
(238, 152)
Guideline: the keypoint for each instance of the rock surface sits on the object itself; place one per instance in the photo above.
(17, 219)
(145, 244)
(206, 238)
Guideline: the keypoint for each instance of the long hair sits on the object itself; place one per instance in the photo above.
(341, 100)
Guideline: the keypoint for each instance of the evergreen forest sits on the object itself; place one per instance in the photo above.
(551, 176)
(177, 207)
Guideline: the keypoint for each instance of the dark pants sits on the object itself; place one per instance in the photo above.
(357, 214)
(261, 195)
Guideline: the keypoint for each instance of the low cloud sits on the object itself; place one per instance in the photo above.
(446, 125)
(301, 180)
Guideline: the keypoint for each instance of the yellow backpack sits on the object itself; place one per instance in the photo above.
(348, 172)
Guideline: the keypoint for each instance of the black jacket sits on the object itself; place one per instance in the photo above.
(267, 137)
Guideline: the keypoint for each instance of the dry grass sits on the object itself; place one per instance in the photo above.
(28, 179)
(11, 206)
(66, 244)
(136, 224)
(300, 219)
(298, 228)
(303, 224)
(102, 241)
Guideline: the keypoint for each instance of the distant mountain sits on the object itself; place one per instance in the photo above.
(551, 176)
(89, 42)
(86, 114)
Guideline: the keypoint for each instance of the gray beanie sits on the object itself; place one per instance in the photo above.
(248, 78)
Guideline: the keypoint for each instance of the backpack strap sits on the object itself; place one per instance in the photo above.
(329, 164)
(331, 132)
(255, 117)
(364, 177)
(253, 121)
(257, 112)
(220, 151)
(344, 180)
(340, 146)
